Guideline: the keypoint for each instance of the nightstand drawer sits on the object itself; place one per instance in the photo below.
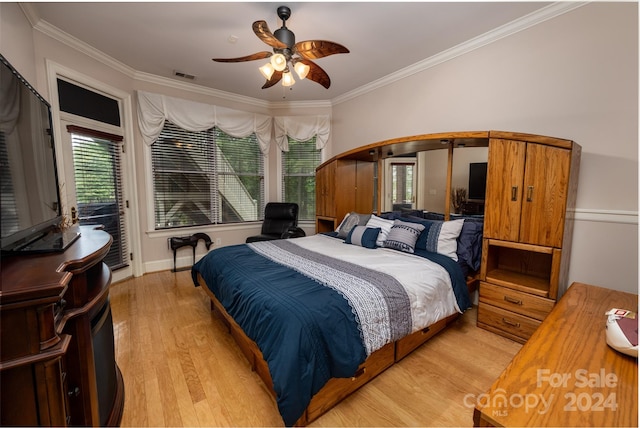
(522, 303)
(514, 324)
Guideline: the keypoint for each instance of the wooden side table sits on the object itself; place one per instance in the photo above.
(566, 374)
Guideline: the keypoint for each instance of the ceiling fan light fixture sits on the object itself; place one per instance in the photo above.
(267, 70)
(287, 78)
(301, 69)
(278, 61)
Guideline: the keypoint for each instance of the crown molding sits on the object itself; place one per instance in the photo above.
(513, 27)
(527, 21)
(192, 87)
(30, 13)
(301, 104)
(77, 44)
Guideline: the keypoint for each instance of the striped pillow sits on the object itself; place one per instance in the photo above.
(443, 237)
(403, 236)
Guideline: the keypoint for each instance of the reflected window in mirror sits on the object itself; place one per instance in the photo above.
(403, 185)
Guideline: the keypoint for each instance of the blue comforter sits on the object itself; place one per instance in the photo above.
(308, 331)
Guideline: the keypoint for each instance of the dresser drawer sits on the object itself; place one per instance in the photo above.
(516, 301)
(514, 324)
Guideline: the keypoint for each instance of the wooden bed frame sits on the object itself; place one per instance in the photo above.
(336, 389)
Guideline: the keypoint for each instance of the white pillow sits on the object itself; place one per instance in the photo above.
(384, 225)
(443, 237)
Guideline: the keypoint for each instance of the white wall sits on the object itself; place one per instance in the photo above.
(574, 76)
(16, 40)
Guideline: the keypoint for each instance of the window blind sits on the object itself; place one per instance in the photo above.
(206, 177)
(299, 176)
(10, 221)
(99, 196)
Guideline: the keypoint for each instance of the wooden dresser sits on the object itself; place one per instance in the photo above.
(566, 374)
(57, 364)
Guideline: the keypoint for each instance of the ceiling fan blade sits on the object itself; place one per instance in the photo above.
(317, 74)
(314, 49)
(252, 57)
(275, 78)
(262, 31)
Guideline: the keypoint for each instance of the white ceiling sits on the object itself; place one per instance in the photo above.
(383, 37)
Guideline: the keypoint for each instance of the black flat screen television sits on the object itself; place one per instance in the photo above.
(30, 198)
(477, 181)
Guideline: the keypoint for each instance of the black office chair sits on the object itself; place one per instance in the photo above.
(280, 222)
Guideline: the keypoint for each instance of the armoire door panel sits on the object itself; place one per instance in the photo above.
(546, 185)
(504, 189)
(364, 187)
(345, 187)
(325, 182)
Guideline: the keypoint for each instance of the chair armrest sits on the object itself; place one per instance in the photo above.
(293, 232)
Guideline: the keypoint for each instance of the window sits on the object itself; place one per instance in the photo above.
(206, 177)
(299, 176)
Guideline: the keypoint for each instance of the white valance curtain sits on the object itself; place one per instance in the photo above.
(154, 109)
(302, 128)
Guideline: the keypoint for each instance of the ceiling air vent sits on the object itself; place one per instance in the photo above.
(184, 75)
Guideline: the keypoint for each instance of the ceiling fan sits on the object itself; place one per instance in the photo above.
(287, 53)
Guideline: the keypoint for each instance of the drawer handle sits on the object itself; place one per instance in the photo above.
(512, 300)
(425, 330)
(514, 193)
(511, 323)
(359, 373)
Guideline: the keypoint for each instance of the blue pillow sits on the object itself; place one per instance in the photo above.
(363, 236)
(470, 243)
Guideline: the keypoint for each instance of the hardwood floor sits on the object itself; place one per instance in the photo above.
(182, 368)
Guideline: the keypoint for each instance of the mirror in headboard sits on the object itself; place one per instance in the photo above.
(426, 178)
(469, 178)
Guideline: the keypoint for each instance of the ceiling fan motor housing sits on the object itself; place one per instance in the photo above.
(285, 36)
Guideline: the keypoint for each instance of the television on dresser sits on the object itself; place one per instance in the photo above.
(30, 204)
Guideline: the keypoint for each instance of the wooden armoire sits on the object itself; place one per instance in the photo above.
(531, 192)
